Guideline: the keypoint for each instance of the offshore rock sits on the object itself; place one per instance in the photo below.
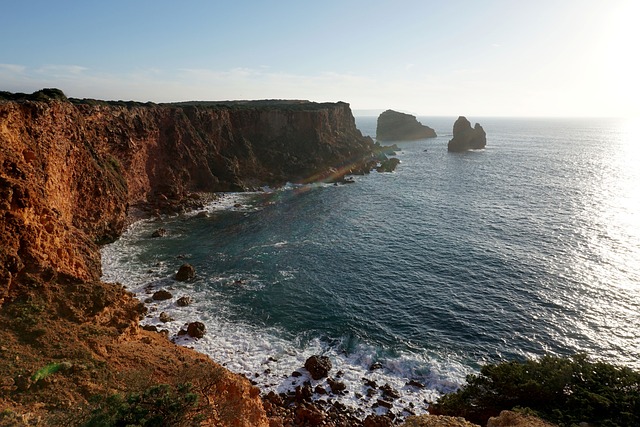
(164, 317)
(395, 126)
(465, 137)
(184, 301)
(388, 165)
(336, 386)
(196, 329)
(185, 273)
(318, 366)
(389, 392)
(160, 232)
(161, 295)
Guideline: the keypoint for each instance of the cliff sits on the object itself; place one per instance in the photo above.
(70, 172)
(395, 126)
(465, 137)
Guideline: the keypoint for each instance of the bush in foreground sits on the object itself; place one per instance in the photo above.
(566, 391)
(160, 405)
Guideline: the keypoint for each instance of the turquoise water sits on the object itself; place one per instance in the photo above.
(529, 247)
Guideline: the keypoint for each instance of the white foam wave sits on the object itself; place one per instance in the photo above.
(268, 357)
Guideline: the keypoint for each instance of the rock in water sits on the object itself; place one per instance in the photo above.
(164, 318)
(318, 366)
(336, 386)
(186, 272)
(395, 126)
(465, 137)
(388, 165)
(161, 295)
(184, 301)
(160, 232)
(196, 329)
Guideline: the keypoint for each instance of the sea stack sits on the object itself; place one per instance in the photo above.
(395, 126)
(466, 137)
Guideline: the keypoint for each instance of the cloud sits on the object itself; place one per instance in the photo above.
(12, 69)
(61, 71)
(469, 91)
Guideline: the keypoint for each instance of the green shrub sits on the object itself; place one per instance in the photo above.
(566, 391)
(39, 95)
(49, 93)
(46, 371)
(159, 405)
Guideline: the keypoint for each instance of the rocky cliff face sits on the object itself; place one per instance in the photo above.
(395, 126)
(69, 171)
(465, 137)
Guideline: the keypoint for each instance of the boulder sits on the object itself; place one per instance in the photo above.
(370, 383)
(515, 419)
(389, 392)
(377, 421)
(374, 366)
(161, 295)
(164, 317)
(318, 366)
(304, 393)
(184, 301)
(320, 390)
(185, 273)
(336, 386)
(465, 137)
(416, 384)
(196, 329)
(384, 404)
(395, 126)
(160, 232)
(388, 165)
(309, 415)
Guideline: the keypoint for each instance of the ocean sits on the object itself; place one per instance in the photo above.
(528, 247)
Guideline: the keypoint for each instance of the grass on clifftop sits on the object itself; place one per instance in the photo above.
(54, 94)
(566, 391)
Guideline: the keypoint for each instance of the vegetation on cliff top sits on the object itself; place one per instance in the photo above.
(39, 95)
(49, 94)
(566, 391)
(263, 104)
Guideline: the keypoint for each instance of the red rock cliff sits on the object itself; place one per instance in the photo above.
(69, 172)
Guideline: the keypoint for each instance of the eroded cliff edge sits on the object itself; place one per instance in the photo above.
(70, 171)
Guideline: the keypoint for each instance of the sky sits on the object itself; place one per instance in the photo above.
(566, 58)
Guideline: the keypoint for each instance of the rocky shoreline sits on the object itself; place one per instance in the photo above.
(74, 174)
(307, 403)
